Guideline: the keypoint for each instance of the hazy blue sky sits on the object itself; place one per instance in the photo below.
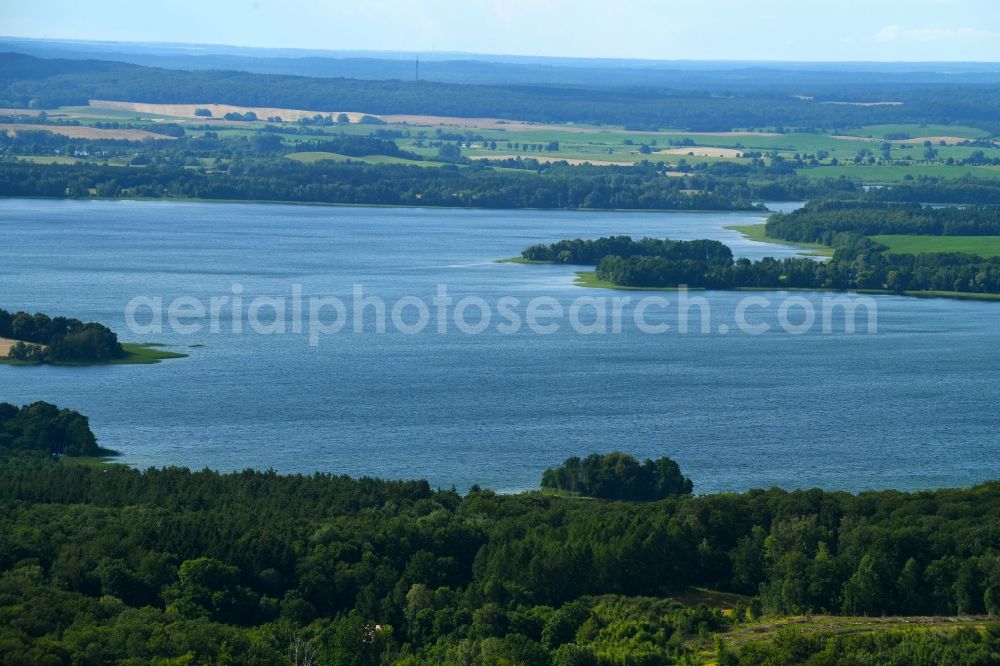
(662, 29)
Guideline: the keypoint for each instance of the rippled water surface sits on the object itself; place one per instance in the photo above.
(914, 405)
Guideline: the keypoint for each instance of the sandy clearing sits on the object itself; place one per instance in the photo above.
(218, 110)
(865, 103)
(718, 133)
(81, 132)
(849, 137)
(549, 159)
(701, 151)
(949, 140)
(524, 126)
(23, 112)
(5, 346)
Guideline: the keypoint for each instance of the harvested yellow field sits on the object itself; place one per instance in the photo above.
(218, 110)
(948, 140)
(864, 103)
(545, 159)
(20, 112)
(520, 126)
(292, 115)
(81, 132)
(5, 346)
(715, 133)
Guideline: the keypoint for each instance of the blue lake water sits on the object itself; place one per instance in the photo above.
(914, 405)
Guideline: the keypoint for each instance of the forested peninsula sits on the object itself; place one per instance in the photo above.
(858, 261)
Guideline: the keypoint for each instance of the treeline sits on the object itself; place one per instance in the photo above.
(44, 339)
(119, 566)
(387, 184)
(42, 83)
(931, 190)
(857, 263)
(823, 221)
(44, 428)
(861, 264)
(358, 146)
(618, 476)
(590, 252)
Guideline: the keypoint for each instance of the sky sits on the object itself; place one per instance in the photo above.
(800, 30)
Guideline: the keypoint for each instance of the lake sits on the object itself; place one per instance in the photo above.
(911, 406)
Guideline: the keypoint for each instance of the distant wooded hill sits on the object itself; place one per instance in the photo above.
(47, 83)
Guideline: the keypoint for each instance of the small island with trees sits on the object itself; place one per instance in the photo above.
(36, 339)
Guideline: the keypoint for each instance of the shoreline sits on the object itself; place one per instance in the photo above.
(588, 279)
(148, 353)
(755, 232)
(279, 202)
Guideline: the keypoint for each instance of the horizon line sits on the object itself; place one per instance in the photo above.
(475, 55)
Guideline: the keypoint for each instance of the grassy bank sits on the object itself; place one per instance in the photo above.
(520, 260)
(590, 279)
(828, 626)
(105, 460)
(755, 232)
(144, 354)
(136, 354)
(983, 246)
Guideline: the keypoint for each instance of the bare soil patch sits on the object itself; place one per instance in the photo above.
(5, 346)
(544, 159)
(702, 151)
(865, 103)
(22, 112)
(81, 132)
(218, 111)
(949, 140)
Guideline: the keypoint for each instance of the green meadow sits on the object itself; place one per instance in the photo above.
(618, 145)
(311, 157)
(984, 246)
(895, 173)
(136, 354)
(144, 354)
(756, 232)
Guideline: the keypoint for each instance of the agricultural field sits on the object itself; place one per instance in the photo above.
(856, 153)
(896, 173)
(311, 157)
(85, 132)
(984, 246)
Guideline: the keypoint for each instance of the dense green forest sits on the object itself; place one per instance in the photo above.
(44, 428)
(44, 339)
(118, 566)
(618, 476)
(392, 184)
(590, 252)
(969, 191)
(823, 221)
(46, 83)
(859, 264)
